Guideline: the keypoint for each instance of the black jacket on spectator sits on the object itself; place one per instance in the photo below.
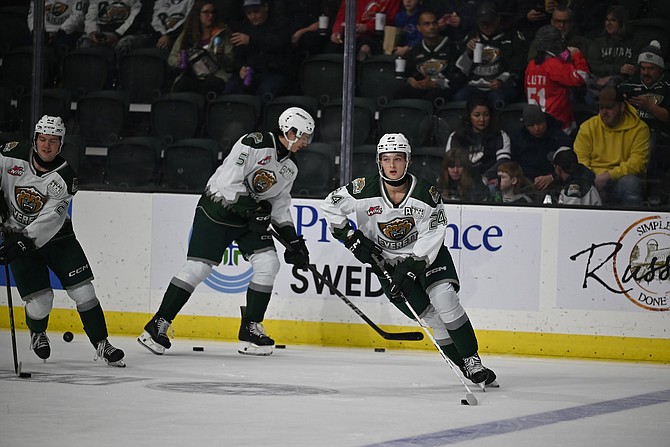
(269, 49)
(531, 152)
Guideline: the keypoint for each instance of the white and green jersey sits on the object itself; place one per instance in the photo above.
(253, 172)
(415, 227)
(37, 202)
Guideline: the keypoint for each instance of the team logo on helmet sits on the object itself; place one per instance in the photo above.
(263, 180)
(398, 228)
(29, 200)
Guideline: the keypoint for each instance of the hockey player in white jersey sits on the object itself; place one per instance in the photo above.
(38, 185)
(402, 219)
(250, 190)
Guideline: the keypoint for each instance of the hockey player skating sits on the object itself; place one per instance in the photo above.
(38, 186)
(402, 219)
(250, 190)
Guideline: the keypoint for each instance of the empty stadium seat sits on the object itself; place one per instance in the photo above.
(133, 164)
(188, 164)
(321, 77)
(176, 116)
(316, 171)
(363, 120)
(142, 74)
(376, 79)
(231, 116)
(101, 116)
(411, 117)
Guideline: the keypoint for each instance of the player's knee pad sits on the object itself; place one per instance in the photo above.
(84, 295)
(194, 272)
(266, 267)
(39, 305)
(432, 318)
(445, 300)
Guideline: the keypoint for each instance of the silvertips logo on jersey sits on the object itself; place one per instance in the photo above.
(639, 262)
(232, 275)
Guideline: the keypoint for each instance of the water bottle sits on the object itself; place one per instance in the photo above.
(247, 77)
(217, 44)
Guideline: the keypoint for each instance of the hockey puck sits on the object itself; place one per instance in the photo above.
(25, 375)
(280, 346)
(68, 336)
(380, 350)
(198, 348)
(464, 402)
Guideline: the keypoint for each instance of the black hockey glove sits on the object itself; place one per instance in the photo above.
(14, 246)
(362, 247)
(259, 218)
(404, 275)
(297, 253)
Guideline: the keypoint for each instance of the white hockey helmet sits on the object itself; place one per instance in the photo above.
(298, 119)
(393, 142)
(51, 125)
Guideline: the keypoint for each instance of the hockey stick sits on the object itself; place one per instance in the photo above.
(469, 397)
(12, 329)
(386, 335)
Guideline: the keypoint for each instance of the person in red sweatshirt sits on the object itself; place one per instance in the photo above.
(553, 73)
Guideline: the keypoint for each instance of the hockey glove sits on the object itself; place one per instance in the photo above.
(259, 218)
(404, 275)
(362, 247)
(14, 246)
(297, 253)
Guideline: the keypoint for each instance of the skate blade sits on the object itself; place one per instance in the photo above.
(118, 363)
(146, 341)
(493, 384)
(248, 348)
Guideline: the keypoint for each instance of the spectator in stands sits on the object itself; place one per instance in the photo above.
(590, 16)
(486, 145)
(552, 74)
(431, 73)
(456, 18)
(502, 59)
(540, 135)
(612, 55)
(513, 185)
(202, 52)
(302, 18)
(106, 23)
(615, 145)
(649, 92)
(262, 53)
(407, 20)
(575, 180)
(458, 180)
(63, 23)
(367, 42)
(526, 16)
(562, 18)
(164, 27)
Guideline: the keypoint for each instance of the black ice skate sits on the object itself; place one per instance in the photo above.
(39, 342)
(253, 339)
(113, 356)
(474, 370)
(155, 337)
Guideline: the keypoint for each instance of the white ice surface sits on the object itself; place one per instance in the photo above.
(314, 396)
